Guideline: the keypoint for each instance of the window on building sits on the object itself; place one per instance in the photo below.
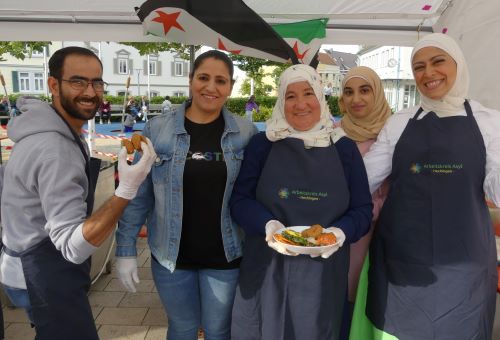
(388, 96)
(31, 82)
(123, 66)
(178, 65)
(24, 81)
(385, 58)
(153, 68)
(179, 94)
(38, 81)
(154, 94)
(122, 63)
(120, 93)
(410, 96)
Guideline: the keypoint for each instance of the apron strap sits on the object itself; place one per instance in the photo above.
(91, 166)
(10, 252)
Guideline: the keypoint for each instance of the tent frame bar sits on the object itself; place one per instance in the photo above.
(73, 20)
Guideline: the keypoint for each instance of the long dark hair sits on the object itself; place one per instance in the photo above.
(216, 54)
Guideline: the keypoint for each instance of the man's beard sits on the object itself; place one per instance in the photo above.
(71, 107)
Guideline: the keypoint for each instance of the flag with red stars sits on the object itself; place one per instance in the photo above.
(228, 25)
(305, 37)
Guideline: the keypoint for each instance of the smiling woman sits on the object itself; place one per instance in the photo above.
(301, 171)
(441, 159)
(211, 83)
(435, 72)
(195, 245)
(365, 111)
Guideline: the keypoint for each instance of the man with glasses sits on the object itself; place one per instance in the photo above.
(49, 230)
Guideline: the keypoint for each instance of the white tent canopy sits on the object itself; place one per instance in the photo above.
(475, 25)
(115, 20)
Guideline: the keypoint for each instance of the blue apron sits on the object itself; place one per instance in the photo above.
(433, 258)
(284, 297)
(56, 287)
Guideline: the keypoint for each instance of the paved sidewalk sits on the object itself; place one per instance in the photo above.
(119, 315)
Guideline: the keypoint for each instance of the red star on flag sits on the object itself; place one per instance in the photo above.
(168, 21)
(221, 46)
(297, 53)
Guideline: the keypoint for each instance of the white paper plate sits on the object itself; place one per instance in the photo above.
(302, 249)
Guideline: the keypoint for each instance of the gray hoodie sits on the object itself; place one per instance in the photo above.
(44, 191)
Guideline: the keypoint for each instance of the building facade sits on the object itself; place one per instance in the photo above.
(157, 74)
(329, 72)
(392, 64)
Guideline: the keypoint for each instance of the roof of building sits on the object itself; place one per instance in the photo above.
(345, 61)
(325, 58)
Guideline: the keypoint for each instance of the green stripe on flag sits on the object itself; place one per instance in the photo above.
(305, 31)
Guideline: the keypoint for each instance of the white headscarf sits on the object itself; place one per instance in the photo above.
(277, 127)
(453, 101)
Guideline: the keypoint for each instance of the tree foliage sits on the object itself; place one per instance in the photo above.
(252, 66)
(146, 48)
(21, 49)
(260, 89)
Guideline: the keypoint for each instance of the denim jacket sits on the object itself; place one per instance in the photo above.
(159, 200)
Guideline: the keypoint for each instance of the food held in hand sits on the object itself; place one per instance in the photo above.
(326, 239)
(314, 231)
(128, 145)
(134, 143)
(310, 237)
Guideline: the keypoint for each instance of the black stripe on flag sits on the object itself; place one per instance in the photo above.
(233, 19)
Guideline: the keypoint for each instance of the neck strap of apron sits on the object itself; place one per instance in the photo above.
(468, 110)
(79, 142)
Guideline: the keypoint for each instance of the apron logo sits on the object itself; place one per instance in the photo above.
(416, 168)
(436, 168)
(283, 193)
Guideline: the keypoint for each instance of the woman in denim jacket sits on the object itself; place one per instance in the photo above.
(195, 245)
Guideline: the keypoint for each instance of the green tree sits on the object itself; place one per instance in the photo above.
(21, 49)
(145, 48)
(253, 67)
(259, 88)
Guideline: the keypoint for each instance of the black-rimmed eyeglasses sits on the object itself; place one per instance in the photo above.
(82, 84)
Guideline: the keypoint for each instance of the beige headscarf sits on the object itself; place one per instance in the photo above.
(362, 129)
(322, 134)
(453, 101)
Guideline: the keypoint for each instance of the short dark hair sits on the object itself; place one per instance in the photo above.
(167, 97)
(216, 54)
(56, 62)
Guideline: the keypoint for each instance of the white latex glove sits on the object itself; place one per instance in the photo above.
(339, 234)
(271, 228)
(131, 176)
(127, 272)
